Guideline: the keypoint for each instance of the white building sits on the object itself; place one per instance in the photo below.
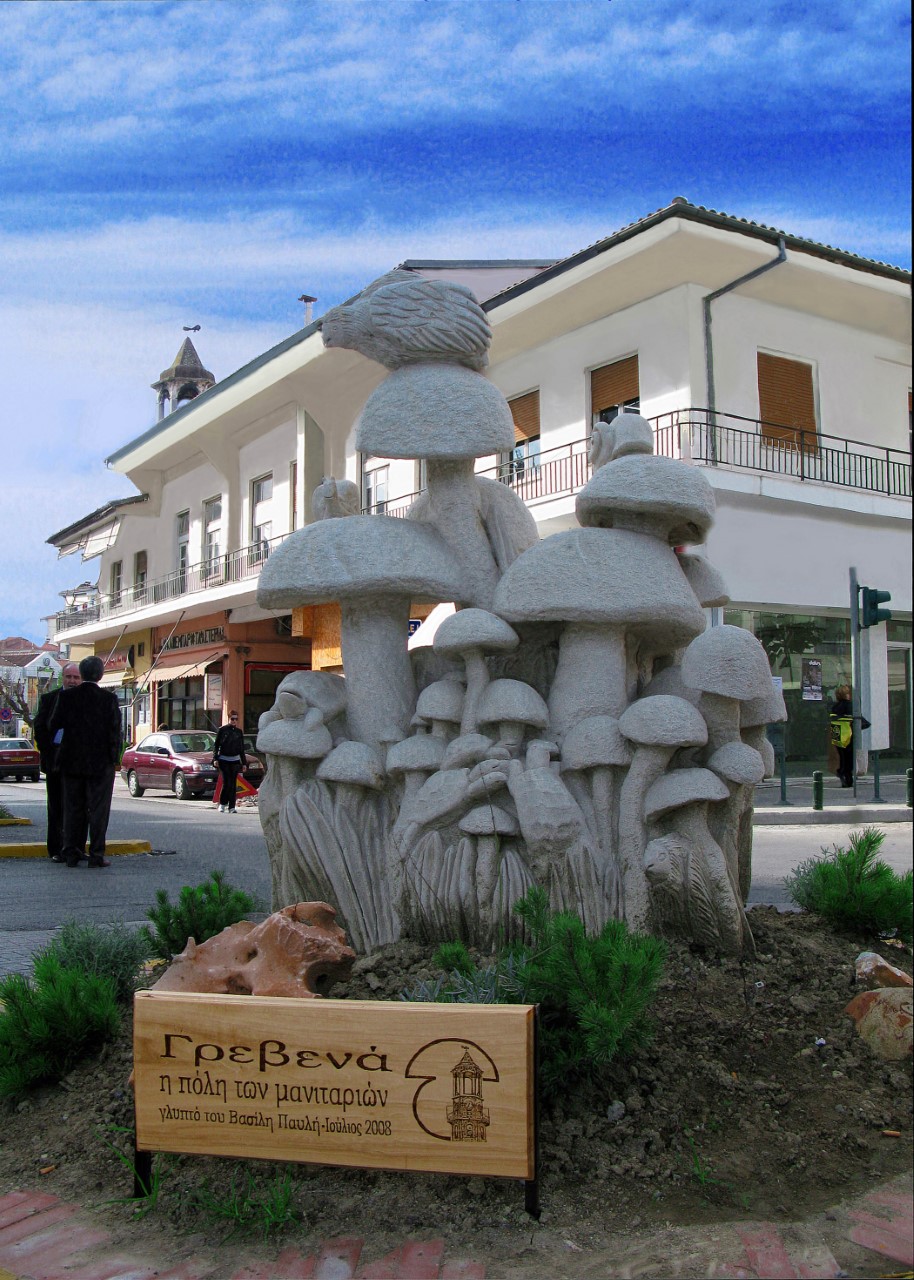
(778, 365)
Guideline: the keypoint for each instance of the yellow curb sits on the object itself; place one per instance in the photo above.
(14, 822)
(41, 851)
(6, 1275)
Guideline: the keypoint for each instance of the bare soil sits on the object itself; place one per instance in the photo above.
(756, 1100)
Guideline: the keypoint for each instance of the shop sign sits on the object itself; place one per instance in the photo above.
(117, 661)
(369, 1084)
(194, 639)
(811, 680)
(214, 692)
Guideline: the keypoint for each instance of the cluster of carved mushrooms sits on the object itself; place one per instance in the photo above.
(575, 725)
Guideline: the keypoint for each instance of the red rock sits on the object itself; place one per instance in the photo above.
(885, 1020)
(298, 951)
(873, 971)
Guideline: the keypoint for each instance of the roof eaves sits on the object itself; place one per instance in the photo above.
(464, 264)
(213, 392)
(682, 208)
(94, 517)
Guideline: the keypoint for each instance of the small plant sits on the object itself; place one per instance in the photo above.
(854, 889)
(111, 951)
(453, 957)
(594, 992)
(142, 1204)
(48, 1025)
(4, 812)
(251, 1211)
(199, 913)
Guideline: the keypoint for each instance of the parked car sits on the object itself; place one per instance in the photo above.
(181, 761)
(19, 759)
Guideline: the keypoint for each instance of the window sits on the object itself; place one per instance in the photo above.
(140, 565)
(117, 581)
(212, 535)
(524, 458)
(261, 516)
(374, 490)
(183, 536)
(787, 402)
(615, 389)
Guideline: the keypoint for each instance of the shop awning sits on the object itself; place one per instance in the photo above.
(112, 680)
(180, 671)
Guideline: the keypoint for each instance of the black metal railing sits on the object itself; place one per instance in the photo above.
(696, 435)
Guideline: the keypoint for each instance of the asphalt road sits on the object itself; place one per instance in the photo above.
(191, 839)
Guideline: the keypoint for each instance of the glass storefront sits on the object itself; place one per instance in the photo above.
(812, 656)
(181, 705)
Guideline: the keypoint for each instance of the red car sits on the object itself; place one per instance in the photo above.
(179, 760)
(19, 759)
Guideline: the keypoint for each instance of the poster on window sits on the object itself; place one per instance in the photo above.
(811, 680)
(214, 693)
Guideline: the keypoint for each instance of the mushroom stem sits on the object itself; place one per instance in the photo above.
(646, 767)
(603, 790)
(722, 717)
(379, 678)
(733, 928)
(591, 677)
(487, 864)
(454, 509)
(477, 679)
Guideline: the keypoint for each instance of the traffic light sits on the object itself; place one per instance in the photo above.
(870, 613)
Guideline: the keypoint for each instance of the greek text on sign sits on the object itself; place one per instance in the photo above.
(374, 1084)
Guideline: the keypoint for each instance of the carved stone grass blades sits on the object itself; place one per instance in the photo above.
(423, 794)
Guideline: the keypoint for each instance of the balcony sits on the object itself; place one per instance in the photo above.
(720, 440)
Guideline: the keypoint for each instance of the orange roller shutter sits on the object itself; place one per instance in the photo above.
(525, 410)
(614, 384)
(787, 401)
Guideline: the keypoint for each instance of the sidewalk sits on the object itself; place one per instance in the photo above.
(839, 804)
(42, 1238)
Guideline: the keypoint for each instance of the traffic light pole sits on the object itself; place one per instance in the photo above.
(855, 661)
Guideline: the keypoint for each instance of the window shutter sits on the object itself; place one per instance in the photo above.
(525, 410)
(614, 384)
(787, 403)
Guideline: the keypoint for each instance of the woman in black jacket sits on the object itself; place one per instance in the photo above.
(841, 721)
(229, 758)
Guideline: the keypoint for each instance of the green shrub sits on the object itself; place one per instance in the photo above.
(199, 913)
(853, 889)
(594, 993)
(48, 1025)
(111, 951)
(453, 957)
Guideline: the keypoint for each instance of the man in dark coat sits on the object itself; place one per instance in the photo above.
(86, 725)
(70, 678)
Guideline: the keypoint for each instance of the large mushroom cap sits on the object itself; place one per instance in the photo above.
(663, 721)
(710, 589)
(474, 629)
(442, 700)
(682, 787)
(738, 763)
(674, 496)
(512, 701)
(353, 762)
(300, 690)
(488, 820)
(355, 558)
(415, 755)
(608, 576)
(728, 661)
(594, 742)
(291, 738)
(435, 410)
(769, 709)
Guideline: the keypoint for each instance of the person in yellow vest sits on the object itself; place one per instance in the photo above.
(841, 724)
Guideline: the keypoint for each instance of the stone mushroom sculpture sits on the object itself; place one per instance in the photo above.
(468, 634)
(729, 666)
(413, 760)
(607, 586)
(755, 714)
(514, 708)
(693, 870)
(660, 496)
(374, 566)
(596, 749)
(627, 433)
(440, 706)
(487, 823)
(657, 727)
(710, 589)
(741, 767)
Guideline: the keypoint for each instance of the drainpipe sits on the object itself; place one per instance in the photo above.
(709, 350)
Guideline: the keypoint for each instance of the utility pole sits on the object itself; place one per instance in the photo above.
(855, 663)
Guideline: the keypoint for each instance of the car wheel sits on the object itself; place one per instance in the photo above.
(133, 785)
(182, 790)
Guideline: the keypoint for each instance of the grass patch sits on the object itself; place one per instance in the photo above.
(853, 889)
(249, 1209)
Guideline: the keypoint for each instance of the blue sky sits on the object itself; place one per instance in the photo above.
(166, 164)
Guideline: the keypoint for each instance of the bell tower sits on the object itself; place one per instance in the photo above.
(183, 380)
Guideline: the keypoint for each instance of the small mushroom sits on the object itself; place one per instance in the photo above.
(627, 433)
(413, 760)
(469, 634)
(352, 764)
(710, 589)
(469, 749)
(514, 707)
(488, 823)
(729, 666)
(660, 496)
(596, 747)
(658, 727)
(742, 767)
(714, 914)
(440, 705)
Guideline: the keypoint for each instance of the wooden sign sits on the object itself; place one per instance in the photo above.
(374, 1084)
